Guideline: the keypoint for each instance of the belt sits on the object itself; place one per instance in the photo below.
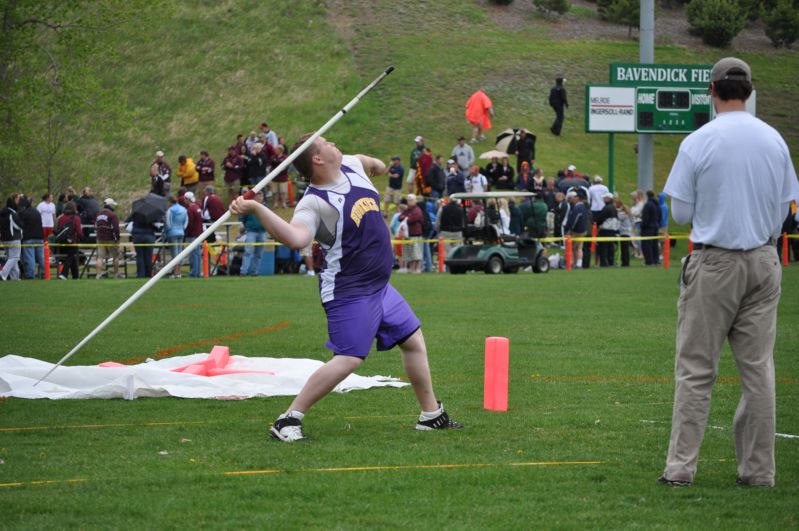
(700, 246)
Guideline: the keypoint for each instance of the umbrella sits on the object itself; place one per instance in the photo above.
(506, 140)
(493, 153)
(569, 182)
(148, 209)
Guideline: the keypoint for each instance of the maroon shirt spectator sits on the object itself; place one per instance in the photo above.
(213, 208)
(234, 166)
(107, 224)
(205, 167)
(195, 226)
(413, 215)
(282, 177)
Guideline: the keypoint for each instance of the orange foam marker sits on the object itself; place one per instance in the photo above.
(219, 357)
(111, 364)
(222, 372)
(497, 358)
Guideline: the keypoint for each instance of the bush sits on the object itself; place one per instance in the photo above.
(750, 9)
(602, 7)
(625, 12)
(716, 21)
(502, 2)
(549, 7)
(782, 24)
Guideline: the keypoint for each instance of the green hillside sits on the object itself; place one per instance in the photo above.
(208, 70)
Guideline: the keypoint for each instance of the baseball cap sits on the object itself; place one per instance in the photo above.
(571, 193)
(450, 161)
(607, 195)
(418, 139)
(597, 178)
(571, 167)
(159, 153)
(411, 197)
(109, 202)
(395, 157)
(731, 68)
(189, 196)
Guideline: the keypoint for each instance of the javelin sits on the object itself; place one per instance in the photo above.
(197, 241)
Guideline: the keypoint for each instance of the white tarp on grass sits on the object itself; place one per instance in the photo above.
(155, 378)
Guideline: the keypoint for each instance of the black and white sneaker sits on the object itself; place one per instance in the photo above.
(663, 480)
(441, 422)
(287, 429)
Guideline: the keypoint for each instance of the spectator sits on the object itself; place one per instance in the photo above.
(504, 214)
(474, 214)
(306, 253)
(436, 178)
(516, 222)
(413, 251)
(463, 154)
(160, 175)
(47, 210)
(88, 207)
(280, 184)
(596, 193)
(638, 202)
(534, 217)
(505, 180)
(449, 223)
(479, 111)
(70, 222)
(399, 231)
(32, 239)
(607, 220)
(206, 167)
(187, 171)
(525, 150)
(255, 237)
(664, 221)
(650, 224)
(423, 165)
(194, 229)
(456, 183)
(576, 226)
(561, 211)
(107, 230)
(271, 137)
(212, 208)
(538, 181)
(476, 182)
(177, 220)
(492, 171)
(625, 230)
(142, 234)
(549, 195)
(393, 192)
(525, 181)
(234, 166)
(251, 140)
(257, 166)
(11, 236)
(241, 145)
(416, 152)
(558, 101)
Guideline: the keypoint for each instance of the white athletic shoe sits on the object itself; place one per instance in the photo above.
(287, 429)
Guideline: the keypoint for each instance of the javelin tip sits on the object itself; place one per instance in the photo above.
(390, 69)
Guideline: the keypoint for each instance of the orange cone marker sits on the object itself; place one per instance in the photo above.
(495, 390)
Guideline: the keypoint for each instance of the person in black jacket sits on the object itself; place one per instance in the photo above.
(525, 150)
(558, 101)
(450, 220)
(11, 236)
(650, 223)
(436, 178)
(32, 239)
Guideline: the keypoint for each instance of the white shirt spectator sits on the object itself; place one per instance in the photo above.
(47, 211)
(476, 184)
(595, 193)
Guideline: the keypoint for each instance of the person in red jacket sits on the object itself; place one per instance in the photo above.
(234, 165)
(69, 254)
(193, 230)
(107, 230)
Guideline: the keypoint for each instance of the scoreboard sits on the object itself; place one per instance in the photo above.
(671, 110)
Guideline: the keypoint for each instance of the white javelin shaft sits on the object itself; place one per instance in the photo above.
(201, 238)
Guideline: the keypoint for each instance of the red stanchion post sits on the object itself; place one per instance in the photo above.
(785, 257)
(495, 388)
(690, 246)
(205, 260)
(440, 255)
(568, 253)
(291, 194)
(666, 251)
(46, 270)
(594, 231)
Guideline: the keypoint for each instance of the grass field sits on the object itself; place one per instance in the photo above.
(580, 447)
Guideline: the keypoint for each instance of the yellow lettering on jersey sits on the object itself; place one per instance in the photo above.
(361, 207)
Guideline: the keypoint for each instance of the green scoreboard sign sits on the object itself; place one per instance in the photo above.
(650, 98)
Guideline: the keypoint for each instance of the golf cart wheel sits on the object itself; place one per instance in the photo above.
(541, 264)
(494, 265)
(457, 270)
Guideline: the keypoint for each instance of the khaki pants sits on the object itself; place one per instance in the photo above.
(732, 295)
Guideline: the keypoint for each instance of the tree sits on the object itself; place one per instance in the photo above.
(782, 24)
(716, 21)
(625, 12)
(48, 83)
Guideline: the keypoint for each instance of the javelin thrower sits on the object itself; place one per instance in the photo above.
(341, 210)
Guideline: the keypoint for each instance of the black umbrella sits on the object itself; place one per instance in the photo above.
(570, 182)
(149, 209)
(507, 139)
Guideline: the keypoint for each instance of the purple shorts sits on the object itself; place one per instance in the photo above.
(353, 324)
